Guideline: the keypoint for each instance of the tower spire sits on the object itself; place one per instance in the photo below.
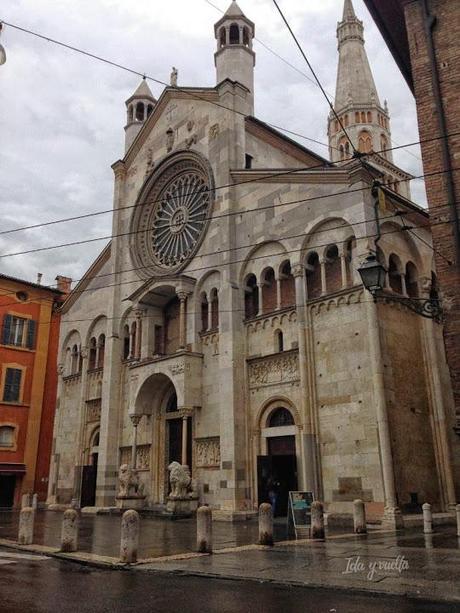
(138, 108)
(356, 99)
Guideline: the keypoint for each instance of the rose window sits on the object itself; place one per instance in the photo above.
(179, 218)
(171, 215)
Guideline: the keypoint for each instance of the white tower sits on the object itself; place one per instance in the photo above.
(234, 58)
(138, 108)
(356, 102)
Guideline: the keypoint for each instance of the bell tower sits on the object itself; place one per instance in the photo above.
(234, 58)
(138, 108)
(357, 103)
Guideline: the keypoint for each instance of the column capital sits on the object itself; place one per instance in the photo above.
(182, 295)
(135, 419)
(298, 270)
(84, 352)
(185, 412)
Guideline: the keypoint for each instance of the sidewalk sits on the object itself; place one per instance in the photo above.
(404, 563)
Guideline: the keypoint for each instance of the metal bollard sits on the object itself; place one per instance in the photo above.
(457, 512)
(265, 524)
(69, 533)
(204, 530)
(317, 520)
(129, 536)
(35, 502)
(427, 518)
(359, 517)
(26, 526)
(25, 501)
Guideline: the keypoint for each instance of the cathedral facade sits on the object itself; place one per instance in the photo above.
(225, 325)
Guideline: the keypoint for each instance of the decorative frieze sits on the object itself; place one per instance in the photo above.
(142, 456)
(275, 319)
(340, 299)
(207, 452)
(274, 369)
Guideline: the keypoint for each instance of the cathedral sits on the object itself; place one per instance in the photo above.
(225, 326)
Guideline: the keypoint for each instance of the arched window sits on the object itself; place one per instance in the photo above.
(279, 341)
(313, 273)
(394, 273)
(268, 290)
(149, 109)
(80, 359)
(234, 34)
(222, 36)
(333, 269)
(251, 297)
(346, 120)
(140, 111)
(287, 283)
(74, 360)
(171, 405)
(245, 36)
(204, 312)
(356, 117)
(369, 117)
(363, 117)
(133, 339)
(101, 351)
(6, 436)
(92, 353)
(365, 142)
(411, 280)
(280, 417)
(126, 342)
(214, 309)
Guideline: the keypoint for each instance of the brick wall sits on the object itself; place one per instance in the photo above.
(446, 41)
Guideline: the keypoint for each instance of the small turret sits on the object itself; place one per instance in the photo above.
(234, 57)
(138, 108)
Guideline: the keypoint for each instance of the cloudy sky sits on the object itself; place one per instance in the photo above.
(62, 114)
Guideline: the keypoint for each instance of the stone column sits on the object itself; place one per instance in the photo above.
(265, 524)
(69, 533)
(135, 419)
(209, 315)
(129, 541)
(278, 293)
(138, 349)
(308, 456)
(182, 320)
(204, 530)
(261, 299)
(317, 520)
(403, 284)
(26, 526)
(322, 264)
(343, 266)
(427, 518)
(392, 515)
(359, 517)
(185, 413)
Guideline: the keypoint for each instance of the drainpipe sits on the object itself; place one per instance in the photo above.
(430, 23)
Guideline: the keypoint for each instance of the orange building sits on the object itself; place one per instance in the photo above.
(28, 379)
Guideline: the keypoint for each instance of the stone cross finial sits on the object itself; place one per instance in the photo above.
(173, 78)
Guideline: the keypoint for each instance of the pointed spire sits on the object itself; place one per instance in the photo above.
(234, 10)
(143, 90)
(348, 11)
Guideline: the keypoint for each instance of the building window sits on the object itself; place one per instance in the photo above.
(101, 351)
(280, 417)
(248, 161)
(214, 309)
(126, 342)
(251, 297)
(19, 331)
(279, 344)
(6, 436)
(234, 34)
(12, 385)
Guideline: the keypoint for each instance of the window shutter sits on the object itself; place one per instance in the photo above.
(6, 329)
(12, 384)
(31, 329)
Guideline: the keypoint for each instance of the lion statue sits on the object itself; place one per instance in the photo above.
(128, 481)
(179, 478)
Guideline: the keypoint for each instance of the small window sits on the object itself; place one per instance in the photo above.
(279, 341)
(92, 353)
(19, 331)
(248, 161)
(126, 342)
(6, 436)
(101, 351)
(22, 296)
(139, 111)
(234, 34)
(280, 417)
(12, 387)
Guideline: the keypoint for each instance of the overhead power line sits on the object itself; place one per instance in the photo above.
(229, 214)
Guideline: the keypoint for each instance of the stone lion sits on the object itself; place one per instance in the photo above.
(128, 481)
(179, 478)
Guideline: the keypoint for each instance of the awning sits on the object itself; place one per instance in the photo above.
(12, 468)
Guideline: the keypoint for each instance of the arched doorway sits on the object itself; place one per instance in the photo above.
(89, 473)
(277, 468)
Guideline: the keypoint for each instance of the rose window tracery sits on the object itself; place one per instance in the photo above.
(171, 215)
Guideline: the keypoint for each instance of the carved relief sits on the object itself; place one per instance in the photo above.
(93, 410)
(179, 368)
(142, 456)
(207, 452)
(214, 131)
(274, 369)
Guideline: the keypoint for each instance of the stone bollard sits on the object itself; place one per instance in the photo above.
(427, 519)
(359, 517)
(265, 524)
(317, 520)
(69, 533)
(457, 512)
(26, 526)
(25, 501)
(35, 502)
(204, 530)
(129, 536)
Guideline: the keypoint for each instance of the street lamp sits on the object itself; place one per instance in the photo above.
(372, 274)
(2, 49)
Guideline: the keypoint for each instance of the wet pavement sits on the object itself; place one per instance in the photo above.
(100, 534)
(49, 585)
